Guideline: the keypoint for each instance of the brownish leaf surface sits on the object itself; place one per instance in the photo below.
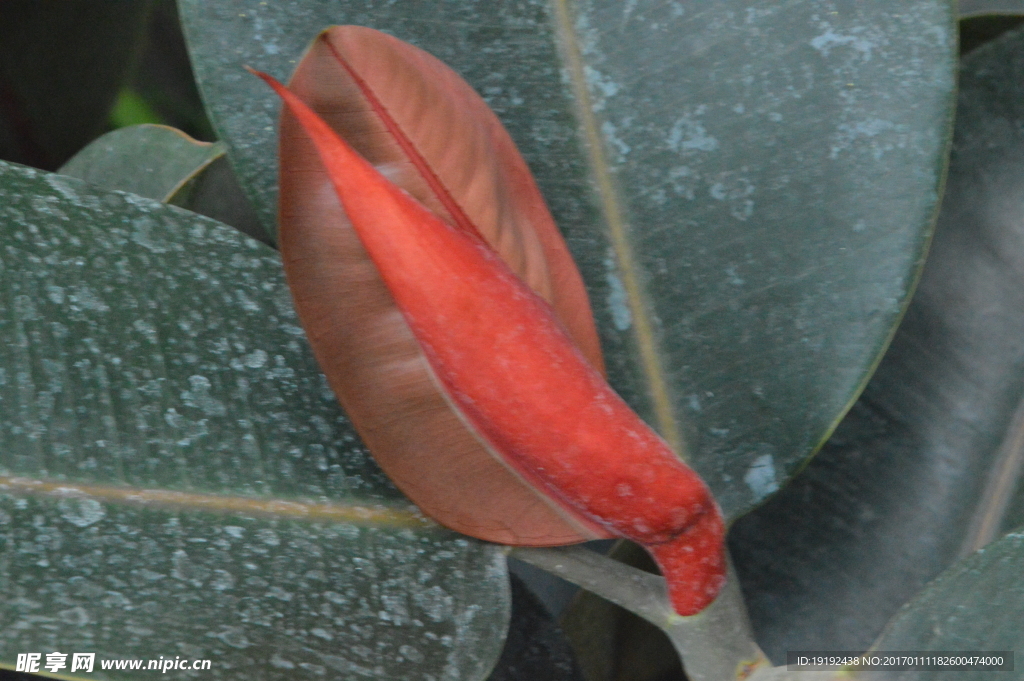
(432, 135)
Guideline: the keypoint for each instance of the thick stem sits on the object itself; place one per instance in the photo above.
(714, 645)
(717, 643)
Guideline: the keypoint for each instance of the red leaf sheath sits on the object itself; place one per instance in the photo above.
(513, 373)
(434, 137)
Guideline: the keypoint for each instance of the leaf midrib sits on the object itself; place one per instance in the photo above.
(293, 509)
(651, 364)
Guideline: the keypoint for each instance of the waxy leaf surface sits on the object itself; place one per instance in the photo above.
(975, 605)
(434, 137)
(149, 160)
(176, 477)
(923, 469)
(747, 189)
(165, 164)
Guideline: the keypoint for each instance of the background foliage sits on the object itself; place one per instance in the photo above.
(750, 226)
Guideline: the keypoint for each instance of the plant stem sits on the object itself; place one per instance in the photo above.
(714, 645)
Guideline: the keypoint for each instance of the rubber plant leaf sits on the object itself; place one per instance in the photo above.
(420, 123)
(510, 369)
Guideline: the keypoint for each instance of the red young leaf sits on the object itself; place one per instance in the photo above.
(423, 126)
(517, 377)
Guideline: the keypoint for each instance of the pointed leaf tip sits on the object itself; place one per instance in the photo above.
(373, 362)
(510, 370)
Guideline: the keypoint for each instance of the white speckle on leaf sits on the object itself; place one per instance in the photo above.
(83, 297)
(601, 86)
(824, 43)
(234, 637)
(222, 580)
(611, 133)
(736, 191)
(186, 570)
(47, 206)
(279, 593)
(142, 228)
(200, 398)
(618, 301)
(146, 329)
(256, 359)
(435, 602)
(760, 477)
(76, 617)
(689, 134)
(173, 418)
(682, 179)
(246, 302)
(58, 183)
(268, 537)
(874, 131)
(335, 597)
(81, 512)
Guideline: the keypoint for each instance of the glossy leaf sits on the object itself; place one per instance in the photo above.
(413, 117)
(167, 165)
(974, 8)
(176, 477)
(924, 467)
(747, 190)
(213, 191)
(974, 606)
(149, 160)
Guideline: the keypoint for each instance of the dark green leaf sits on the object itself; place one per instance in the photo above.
(149, 160)
(165, 164)
(923, 469)
(747, 189)
(176, 477)
(977, 605)
(973, 8)
(213, 191)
